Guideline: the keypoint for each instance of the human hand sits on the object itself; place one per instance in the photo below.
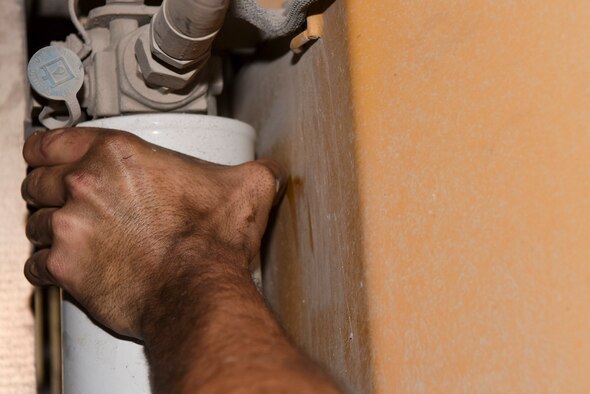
(117, 213)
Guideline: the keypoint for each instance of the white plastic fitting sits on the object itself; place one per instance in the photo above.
(94, 361)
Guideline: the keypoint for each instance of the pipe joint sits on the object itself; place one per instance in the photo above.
(172, 50)
(168, 41)
(173, 47)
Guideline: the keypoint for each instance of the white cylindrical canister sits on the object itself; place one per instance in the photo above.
(95, 361)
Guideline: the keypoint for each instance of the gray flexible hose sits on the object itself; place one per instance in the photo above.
(272, 23)
(196, 18)
(185, 29)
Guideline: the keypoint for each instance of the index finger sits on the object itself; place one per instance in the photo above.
(61, 146)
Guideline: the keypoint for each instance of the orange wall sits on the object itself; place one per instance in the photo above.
(473, 156)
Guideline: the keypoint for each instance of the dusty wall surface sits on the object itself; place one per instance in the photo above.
(453, 170)
(17, 370)
(313, 274)
(472, 149)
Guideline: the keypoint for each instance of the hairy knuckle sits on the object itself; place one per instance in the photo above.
(118, 144)
(113, 138)
(54, 266)
(80, 182)
(47, 141)
(44, 145)
(261, 180)
(32, 180)
(60, 223)
(249, 203)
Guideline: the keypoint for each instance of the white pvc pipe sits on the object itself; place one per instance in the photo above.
(94, 361)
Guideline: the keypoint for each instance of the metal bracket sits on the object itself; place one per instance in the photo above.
(102, 16)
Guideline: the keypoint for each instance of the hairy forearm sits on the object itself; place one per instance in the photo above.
(155, 245)
(213, 332)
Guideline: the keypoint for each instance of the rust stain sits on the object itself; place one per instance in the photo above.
(294, 193)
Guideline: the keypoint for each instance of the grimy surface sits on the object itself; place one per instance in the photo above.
(17, 369)
(313, 272)
(436, 233)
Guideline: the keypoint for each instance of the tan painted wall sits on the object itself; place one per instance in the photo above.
(444, 164)
(17, 368)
